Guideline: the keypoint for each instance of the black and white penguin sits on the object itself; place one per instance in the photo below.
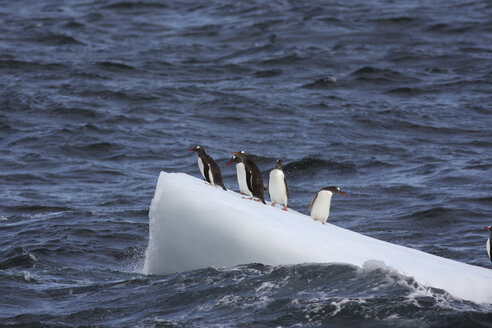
(277, 186)
(254, 179)
(210, 170)
(487, 244)
(320, 206)
(241, 175)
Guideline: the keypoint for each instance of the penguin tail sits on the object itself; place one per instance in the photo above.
(223, 187)
(263, 201)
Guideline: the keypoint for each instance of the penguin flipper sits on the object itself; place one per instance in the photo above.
(206, 171)
(312, 203)
(218, 177)
(249, 180)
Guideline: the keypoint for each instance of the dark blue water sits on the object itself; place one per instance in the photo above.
(390, 100)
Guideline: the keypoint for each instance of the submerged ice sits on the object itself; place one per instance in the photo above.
(196, 225)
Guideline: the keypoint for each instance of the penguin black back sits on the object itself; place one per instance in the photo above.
(254, 178)
(210, 169)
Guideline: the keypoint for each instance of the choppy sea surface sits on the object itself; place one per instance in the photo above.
(390, 100)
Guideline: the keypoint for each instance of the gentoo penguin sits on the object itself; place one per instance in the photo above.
(320, 206)
(210, 170)
(277, 186)
(254, 179)
(487, 244)
(241, 174)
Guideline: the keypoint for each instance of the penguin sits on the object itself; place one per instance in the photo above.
(241, 175)
(487, 244)
(277, 186)
(210, 170)
(254, 179)
(320, 206)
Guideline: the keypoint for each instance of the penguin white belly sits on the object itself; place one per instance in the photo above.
(488, 247)
(201, 167)
(276, 187)
(241, 179)
(321, 207)
(210, 175)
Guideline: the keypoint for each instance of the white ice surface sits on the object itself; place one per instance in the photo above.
(196, 225)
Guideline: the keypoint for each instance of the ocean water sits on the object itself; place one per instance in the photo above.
(390, 100)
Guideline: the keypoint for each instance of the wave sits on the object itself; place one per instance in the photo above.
(268, 73)
(287, 295)
(125, 5)
(453, 28)
(395, 20)
(73, 25)
(98, 149)
(322, 83)
(23, 259)
(29, 65)
(56, 39)
(114, 66)
(315, 295)
(76, 113)
(314, 164)
(39, 208)
(404, 91)
(381, 75)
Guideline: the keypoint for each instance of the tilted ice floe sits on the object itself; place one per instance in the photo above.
(196, 225)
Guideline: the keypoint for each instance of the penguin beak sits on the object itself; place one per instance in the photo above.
(237, 154)
(191, 149)
(486, 228)
(342, 193)
(230, 162)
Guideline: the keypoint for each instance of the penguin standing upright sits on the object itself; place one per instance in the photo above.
(487, 244)
(277, 186)
(320, 206)
(210, 170)
(241, 174)
(254, 179)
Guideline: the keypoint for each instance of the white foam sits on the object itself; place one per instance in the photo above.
(195, 225)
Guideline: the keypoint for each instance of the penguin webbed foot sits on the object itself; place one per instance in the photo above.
(273, 204)
(260, 200)
(285, 208)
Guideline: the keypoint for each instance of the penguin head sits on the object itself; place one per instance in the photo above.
(235, 159)
(241, 154)
(198, 149)
(334, 190)
(278, 164)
